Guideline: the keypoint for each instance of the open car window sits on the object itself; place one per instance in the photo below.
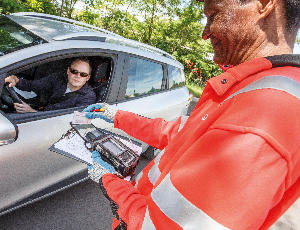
(98, 83)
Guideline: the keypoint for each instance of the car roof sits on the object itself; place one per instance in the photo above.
(60, 29)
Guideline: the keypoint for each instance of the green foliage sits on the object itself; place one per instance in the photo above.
(182, 38)
(7, 42)
(11, 6)
(177, 84)
(196, 90)
(42, 6)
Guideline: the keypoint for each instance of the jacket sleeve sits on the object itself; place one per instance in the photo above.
(76, 101)
(131, 205)
(88, 99)
(238, 176)
(155, 132)
(228, 188)
(38, 86)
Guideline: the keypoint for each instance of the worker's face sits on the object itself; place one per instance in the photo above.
(78, 74)
(231, 27)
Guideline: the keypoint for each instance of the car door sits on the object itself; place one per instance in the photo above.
(27, 167)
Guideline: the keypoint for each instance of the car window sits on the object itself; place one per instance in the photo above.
(176, 77)
(44, 86)
(14, 37)
(145, 77)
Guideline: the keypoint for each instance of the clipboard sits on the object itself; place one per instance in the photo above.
(73, 143)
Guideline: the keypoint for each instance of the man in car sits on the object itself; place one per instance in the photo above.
(235, 162)
(58, 92)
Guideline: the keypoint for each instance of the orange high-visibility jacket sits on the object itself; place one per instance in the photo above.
(234, 164)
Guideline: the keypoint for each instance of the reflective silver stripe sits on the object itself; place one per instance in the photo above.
(180, 210)
(290, 219)
(138, 177)
(147, 224)
(183, 121)
(272, 82)
(154, 172)
(157, 158)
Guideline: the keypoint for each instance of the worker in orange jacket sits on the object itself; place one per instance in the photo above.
(235, 162)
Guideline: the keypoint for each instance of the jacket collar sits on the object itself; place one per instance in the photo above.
(222, 83)
(84, 89)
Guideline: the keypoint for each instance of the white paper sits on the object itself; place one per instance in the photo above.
(75, 146)
(80, 118)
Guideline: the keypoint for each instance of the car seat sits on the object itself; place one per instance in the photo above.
(100, 78)
(55, 68)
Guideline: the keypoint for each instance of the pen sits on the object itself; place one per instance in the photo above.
(98, 110)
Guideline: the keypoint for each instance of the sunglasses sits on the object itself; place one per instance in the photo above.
(74, 71)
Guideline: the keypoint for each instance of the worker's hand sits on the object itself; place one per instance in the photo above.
(24, 108)
(12, 80)
(99, 167)
(102, 111)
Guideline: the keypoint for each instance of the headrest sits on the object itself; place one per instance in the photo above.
(99, 72)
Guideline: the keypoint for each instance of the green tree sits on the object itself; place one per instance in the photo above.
(11, 6)
(181, 36)
(67, 8)
(42, 6)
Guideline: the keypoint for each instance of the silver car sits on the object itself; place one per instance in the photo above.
(138, 78)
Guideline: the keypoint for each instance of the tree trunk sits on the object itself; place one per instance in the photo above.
(61, 7)
(151, 23)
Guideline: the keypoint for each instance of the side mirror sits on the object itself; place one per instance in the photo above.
(8, 131)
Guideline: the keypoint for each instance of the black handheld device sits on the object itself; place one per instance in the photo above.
(112, 150)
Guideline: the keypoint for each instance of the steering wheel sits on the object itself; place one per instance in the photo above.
(8, 98)
(13, 94)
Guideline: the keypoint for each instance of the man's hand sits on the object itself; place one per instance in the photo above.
(107, 115)
(12, 80)
(24, 108)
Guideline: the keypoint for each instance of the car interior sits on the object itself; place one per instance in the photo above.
(100, 78)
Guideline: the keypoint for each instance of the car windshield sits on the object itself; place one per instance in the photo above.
(14, 37)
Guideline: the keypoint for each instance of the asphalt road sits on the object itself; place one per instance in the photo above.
(81, 207)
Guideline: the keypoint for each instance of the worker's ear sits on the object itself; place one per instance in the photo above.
(265, 7)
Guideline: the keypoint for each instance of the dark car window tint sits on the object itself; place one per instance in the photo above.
(145, 77)
(14, 37)
(176, 77)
